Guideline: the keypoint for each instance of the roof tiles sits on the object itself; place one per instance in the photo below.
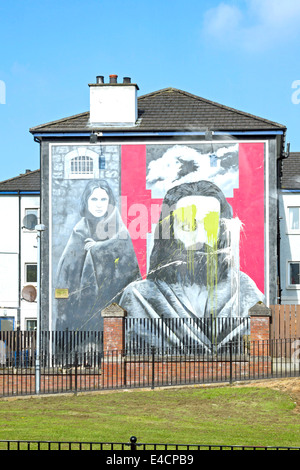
(291, 172)
(29, 181)
(171, 109)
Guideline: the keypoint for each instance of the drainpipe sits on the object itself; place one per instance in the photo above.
(19, 267)
(283, 156)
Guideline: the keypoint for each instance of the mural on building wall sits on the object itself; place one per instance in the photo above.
(97, 262)
(173, 231)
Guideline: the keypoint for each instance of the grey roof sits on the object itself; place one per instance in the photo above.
(29, 181)
(291, 172)
(171, 109)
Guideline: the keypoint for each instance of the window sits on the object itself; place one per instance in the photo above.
(294, 218)
(31, 218)
(31, 325)
(32, 211)
(294, 274)
(31, 272)
(81, 166)
(81, 163)
(7, 323)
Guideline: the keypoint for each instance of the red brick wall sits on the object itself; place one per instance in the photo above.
(113, 334)
(121, 371)
(118, 370)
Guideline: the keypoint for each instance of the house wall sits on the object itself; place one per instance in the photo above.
(9, 261)
(289, 246)
(17, 248)
(140, 174)
(28, 256)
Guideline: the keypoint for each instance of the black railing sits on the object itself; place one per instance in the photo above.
(183, 454)
(90, 369)
(18, 348)
(208, 334)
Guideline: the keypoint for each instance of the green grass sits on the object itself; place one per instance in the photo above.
(226, 415)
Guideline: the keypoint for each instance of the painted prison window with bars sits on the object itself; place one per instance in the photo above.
(82, 166)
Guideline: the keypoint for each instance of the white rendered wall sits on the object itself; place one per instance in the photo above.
(289, 247)
(28, 255)
(13, 258)
(9, 256)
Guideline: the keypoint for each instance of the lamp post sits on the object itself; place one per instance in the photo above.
(39, 228)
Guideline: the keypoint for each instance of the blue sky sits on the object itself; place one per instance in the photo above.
(240, 53)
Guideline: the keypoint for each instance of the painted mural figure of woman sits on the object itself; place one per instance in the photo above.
(193, 274)
(97, 262)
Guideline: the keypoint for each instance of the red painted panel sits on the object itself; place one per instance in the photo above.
(136, 201)
(139, 210)
(248, 206)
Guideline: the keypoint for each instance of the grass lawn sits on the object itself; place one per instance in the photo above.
(226, 415)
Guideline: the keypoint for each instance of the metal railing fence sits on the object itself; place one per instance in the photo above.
(18, 348)
(181, 453)
(207, 334)
(90, 370)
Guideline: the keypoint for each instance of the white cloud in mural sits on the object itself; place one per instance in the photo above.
(257, 26)
(182, 164)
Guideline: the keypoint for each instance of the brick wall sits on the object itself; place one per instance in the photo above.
(120, 370)
(153, 370)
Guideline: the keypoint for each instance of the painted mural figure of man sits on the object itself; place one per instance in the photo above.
(192, 272)
(97, 262)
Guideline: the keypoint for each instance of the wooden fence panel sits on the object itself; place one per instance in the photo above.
(298, 321)
(285, 322)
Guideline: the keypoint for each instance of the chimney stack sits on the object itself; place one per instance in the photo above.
(113, 103)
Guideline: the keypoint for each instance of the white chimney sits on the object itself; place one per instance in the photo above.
(113, 103)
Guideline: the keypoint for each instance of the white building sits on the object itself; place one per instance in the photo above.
(19, 197)
(289, 216)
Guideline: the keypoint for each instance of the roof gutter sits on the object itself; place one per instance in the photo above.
(37, 136)
(23, 192)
